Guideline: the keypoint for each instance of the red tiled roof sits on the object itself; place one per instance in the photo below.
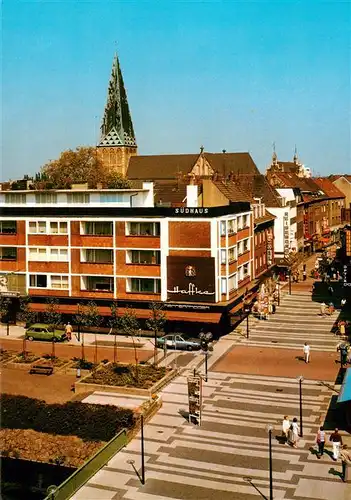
(334, 177)
(328, 187)
(231, 191)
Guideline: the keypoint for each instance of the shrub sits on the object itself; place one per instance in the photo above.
(89, 421)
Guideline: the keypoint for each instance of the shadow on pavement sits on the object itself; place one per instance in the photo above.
(335, 472)
(249, 480)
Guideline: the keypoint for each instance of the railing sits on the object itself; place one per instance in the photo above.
(72, 484)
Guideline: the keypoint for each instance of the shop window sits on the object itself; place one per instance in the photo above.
(8, 253)
(38, 281)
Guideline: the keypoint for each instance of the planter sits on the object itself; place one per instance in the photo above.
(83, 386)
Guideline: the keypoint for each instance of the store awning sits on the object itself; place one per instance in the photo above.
(282, 262)
(345, 392)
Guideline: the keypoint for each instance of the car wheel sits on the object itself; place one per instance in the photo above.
(30, 338)
(189, 348)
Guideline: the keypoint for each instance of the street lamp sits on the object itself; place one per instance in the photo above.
(205, 340)
(269, 430)
(247, 312)
(300, 380)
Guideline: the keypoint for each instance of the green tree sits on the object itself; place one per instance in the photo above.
(5, 305)
(91, 319)
(130, 326)
(53, 318)
(114, 323)
(115, 180)
(28, 316)
(156, 322)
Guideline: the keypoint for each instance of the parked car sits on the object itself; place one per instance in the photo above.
(40, 331)
(178, 342)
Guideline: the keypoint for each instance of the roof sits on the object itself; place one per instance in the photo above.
(169, 166)
(169, 193)
(328, 187)
(154, 167)
(231, 190)
(291, 180)
(257, 186)
(265, 218)
(345, 391)
(288, 166)
(117, 127)
(335, 177)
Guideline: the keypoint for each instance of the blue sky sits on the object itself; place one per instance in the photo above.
(226, 74)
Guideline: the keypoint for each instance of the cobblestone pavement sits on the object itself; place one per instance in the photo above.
(214, 460)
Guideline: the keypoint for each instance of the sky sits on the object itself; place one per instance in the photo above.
(234, 75)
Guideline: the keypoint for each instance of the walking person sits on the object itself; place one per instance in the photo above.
(285, 428)
(336, 440)
(345, 456)
(323, 306)
(306, 352)
(304, 275)
(294, 433)
(330, 290)
(320, 440)
(69, 330)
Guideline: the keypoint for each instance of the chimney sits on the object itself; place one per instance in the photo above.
(191, 195)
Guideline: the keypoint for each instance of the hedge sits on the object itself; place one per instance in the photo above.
(90, 422)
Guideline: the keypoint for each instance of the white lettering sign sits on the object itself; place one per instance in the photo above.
(192, 290)
(191, 210)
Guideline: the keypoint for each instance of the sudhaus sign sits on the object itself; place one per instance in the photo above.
(191, 279)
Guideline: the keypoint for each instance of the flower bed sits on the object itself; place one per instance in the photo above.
(6, 355)
(26, 359)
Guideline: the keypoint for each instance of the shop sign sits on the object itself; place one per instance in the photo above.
(269, 248)
(190, 211)
(348, 242)
(191, 279)
(346, 275)
(305, 226)
(286, 230)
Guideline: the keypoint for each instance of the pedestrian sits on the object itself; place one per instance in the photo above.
(285, 428)
(323, 306)
(343, 303)
(294, 433)
(69, 330)
(330, 290)
(304, 275)
(320, 440)
(345, 456)
(331, 308)
(306, 352)
(336, 439)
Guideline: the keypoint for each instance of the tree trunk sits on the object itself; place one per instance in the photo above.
(136, 359)
(115, 350)
(96, 352)
(155, 347)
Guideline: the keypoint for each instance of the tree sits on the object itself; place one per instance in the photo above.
(130, 325)
(115, 180)
(53, 318)
(81, 165)
(114, 323)
(28, 316)
(5, 305)
(79, 321)
(156, 322)
(91, 318)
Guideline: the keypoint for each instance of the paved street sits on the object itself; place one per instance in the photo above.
(251, 383)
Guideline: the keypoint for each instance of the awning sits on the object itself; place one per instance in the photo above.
(282, 262)
(345, 392)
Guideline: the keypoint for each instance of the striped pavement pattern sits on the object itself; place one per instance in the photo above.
(226, 458)
(295, 322)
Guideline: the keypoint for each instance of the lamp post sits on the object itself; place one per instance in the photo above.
(300, 380)
(290, 281)
(269, 429)
(247, 312)
(142, 449)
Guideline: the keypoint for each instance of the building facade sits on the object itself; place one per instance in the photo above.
(115, 245)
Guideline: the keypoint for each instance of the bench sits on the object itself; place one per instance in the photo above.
(45, 369)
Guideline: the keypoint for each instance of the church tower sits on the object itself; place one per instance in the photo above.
(117, 142)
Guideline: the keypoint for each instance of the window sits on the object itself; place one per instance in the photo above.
(60, 254)
(223, 228)
(8, 253)
(143, 257)
(264, 258)
(245, 220)
(38, 280)
(97, 284)
(223, 256)
(15, 198)
(36, 254)
(240, 247)
(223, 285)
(232, 282)
(145, 285)
(78, 198)
(59, 282)
(232, 254)
(58, 227)
(45, 198)
(240, 222)
(96, 256)
(246, 245)
(245, 270)
(111, 198)
(231, 226)
(260, 261)
(97, 228)
(144, 228)
(8, 227)
(37, 227)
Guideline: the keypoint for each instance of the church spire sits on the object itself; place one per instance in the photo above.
(117, 126)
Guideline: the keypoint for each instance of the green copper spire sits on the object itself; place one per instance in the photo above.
(117, 127)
